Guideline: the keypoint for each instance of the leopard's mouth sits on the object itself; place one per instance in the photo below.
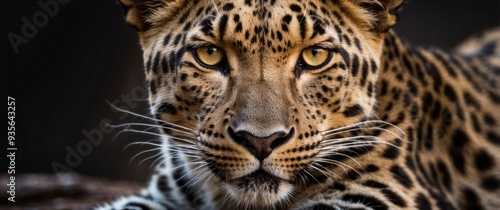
(260, 189)
(259, 177)
(260, 174)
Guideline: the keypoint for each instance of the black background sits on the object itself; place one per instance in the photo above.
(86, 55)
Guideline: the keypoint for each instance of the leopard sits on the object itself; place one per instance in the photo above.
(320, 105)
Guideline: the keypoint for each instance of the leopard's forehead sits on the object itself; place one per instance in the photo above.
(256, 23)
(250, 27)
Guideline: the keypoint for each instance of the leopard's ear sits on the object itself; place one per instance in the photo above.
(140, 14)
(385, 12)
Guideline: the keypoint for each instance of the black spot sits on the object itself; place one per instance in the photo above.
(371, 89)
(162, 184)
(483, 160)
(371, 168)
(167, 108)
(489, 119)
(445, 175)
(436, 110)
(414, 111)
(152, 87)
(471, 100)
(338, 186)
(408, 64)
(302, 23)
(206, 27)
(287, 19)
(373, 65)
(284, 27)
(355, 65)
(472, 200)
(187, 26)
(475, 123)
(460, 140)
(442, 202)
(428, 141)
(446, 64)
(358, 44)
(279, 35)
(393, 197)
(450, 93)
(495, 98)
(318, 28)
(428, 99)
(295, 8)
(434, 174)
(184, 76)
(177, 39)
(490, 183)
(493, 137)
(156, 61)
(183, 17)
(412, 87)
(434, 73)
(222, 26)
(422, 202)
(345, 57)
(401, 176)
(200, 10)
(166, 40)
(238, 28)
(247, 35)
(368, 201)
(374, 184)
(228, 7)
(383, 89)
(460, 112)
(135, 205)
(391, 152)
(353, 111)
(353, 174)
(410, 162)
(164, 65)
(364, 73)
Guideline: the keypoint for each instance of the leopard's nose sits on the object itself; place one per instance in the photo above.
(260, 147)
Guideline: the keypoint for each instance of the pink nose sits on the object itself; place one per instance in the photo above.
(260, 147)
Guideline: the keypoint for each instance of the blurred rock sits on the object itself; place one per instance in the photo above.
(64, 191)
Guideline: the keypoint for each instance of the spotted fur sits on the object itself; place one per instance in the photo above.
(381, 125)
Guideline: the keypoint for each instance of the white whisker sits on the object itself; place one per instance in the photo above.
(145, 151)
(146, 117)
(142, 143)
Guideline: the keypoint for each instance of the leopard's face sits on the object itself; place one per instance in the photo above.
(251, 91)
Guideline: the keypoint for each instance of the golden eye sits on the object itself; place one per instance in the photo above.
(315, 57)
(209, 56)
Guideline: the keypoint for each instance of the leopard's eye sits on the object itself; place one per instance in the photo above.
(209, 56)
(315, 57)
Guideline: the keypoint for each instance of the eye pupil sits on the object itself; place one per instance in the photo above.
(209, 56)
(315, 51)
(211, 50)
(315, 57)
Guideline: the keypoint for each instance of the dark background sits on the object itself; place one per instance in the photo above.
(86, 55)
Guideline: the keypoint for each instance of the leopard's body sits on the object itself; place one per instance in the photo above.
(313, 105)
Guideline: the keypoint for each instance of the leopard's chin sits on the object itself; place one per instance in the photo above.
(260, 189)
